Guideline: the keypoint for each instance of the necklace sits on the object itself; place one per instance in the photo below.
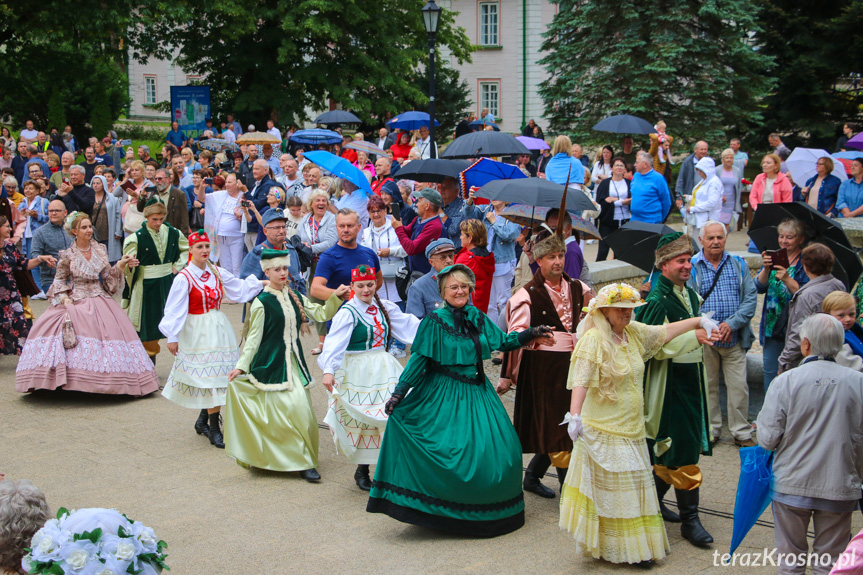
(82, 250)
(619, 338)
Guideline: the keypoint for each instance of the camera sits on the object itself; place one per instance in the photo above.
(227, 166)
(246, 203)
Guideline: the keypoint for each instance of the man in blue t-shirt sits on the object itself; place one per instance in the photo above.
(335, 265)
(175, 136)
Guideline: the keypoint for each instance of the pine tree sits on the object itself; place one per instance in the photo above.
(101, 119)
(687, 62)
(56, 109)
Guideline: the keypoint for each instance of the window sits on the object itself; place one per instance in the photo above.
(149, 90)
(488, 23)
(193, 80)
(489, 97)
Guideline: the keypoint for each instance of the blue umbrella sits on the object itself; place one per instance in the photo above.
(337, 117)
(848, 155)
(410, 121)
(754, 491)
(624, 124)
(341, 168)
(480, 125)
(484, 171)
(316, 136)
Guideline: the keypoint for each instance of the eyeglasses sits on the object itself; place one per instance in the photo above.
(376, 211)
(458, 288)
(276, 228)
(159, 178)
(50, 211)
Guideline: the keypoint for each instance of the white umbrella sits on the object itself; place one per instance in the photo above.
(801, 165)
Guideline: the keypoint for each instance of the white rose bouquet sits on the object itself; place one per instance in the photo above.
(95, 542)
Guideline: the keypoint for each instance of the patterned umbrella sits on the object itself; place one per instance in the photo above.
(259, 138)
(525, 215)
(367, 147)
(485, 170)
(216, 145)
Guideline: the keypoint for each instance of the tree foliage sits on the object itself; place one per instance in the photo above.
(61, 49)
(812, 44)
(685, 61)
(278, 58)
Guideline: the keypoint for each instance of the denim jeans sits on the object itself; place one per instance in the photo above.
(772, 350)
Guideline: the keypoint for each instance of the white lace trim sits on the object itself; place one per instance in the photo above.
(91, 354)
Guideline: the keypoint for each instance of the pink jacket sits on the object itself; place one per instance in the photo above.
(782, 192)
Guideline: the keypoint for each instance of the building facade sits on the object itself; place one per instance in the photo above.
(504, 75)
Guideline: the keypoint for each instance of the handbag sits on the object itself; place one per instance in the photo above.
(403, 281)
(70, 340)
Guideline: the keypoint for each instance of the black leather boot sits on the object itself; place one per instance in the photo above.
(661, 489)
(561, 476)
(201, 426)
(691, 528)
(311, 475)
(215, 434)
(361, 476)
(534, 473)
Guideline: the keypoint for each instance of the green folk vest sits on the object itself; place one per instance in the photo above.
(270, 363)
(363, 336)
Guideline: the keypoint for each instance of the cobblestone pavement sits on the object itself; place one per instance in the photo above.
(142, 457)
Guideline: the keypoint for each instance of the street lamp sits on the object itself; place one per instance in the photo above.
(431, 17)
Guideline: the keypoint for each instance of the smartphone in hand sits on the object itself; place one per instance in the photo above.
(397, 211)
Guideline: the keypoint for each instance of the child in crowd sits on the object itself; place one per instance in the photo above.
(842, 306)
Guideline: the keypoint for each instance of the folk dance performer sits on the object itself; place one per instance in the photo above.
(359, 374)
(269, 422)
(539, 370)
(675, 389)
(609, 503)
(161, 251)
(200, 336)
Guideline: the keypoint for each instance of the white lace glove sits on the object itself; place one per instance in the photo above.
(708, 323)
(573, 425)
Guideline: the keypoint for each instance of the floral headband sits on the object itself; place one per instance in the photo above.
(70, 219)
(616, 295)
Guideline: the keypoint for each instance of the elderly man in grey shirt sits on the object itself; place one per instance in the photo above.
(48, 241)
(423, 295)
(813, 419)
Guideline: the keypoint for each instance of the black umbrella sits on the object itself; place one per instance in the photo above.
(431, 170)
(819, 228)
(535, 192)
(764, 233)
(484, 144)
(624, 124)
(337, 117)
(635, 243)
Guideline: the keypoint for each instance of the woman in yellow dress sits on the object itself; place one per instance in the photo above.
(609, 501)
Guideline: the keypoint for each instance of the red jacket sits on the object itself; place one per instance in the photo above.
(481, 263)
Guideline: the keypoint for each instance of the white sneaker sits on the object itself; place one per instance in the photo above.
(40, 295)
(398, 353)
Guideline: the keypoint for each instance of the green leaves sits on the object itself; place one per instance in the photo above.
(92, 536)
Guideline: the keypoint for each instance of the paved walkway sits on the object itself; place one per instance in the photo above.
(142, 457)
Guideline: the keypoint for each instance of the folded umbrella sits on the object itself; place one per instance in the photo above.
(431, 170)
(341, 168)
(635, 243)
(412, 120)
(337, 117)
(624, 124)
(484, 144)
(535, 192)
(316, 136)
(533, 143)
(526, 216)
(754, 492)
(484, 171)
(801, 165)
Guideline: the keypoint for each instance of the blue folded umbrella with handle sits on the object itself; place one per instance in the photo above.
(754, 491)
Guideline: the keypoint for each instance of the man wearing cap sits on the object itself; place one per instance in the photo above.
(540, 370)
(275, 230)
(675, 388)
(427, 227)
(423, 295)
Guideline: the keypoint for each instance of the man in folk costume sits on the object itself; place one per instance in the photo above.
(675, 388)
(539, 371)
(269, 421)
(162, 251)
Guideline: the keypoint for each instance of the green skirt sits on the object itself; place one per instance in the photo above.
(451, 460)
(155, 296)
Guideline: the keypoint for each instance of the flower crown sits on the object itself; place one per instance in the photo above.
(97, 541)
(70, 219)
(615, 295)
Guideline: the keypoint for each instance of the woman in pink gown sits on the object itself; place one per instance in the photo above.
(103, 354)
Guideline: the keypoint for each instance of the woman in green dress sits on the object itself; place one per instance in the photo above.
(450, 458)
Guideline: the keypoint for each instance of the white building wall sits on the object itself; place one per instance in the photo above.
(166, 73)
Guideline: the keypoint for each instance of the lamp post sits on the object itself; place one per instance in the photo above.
(431, 17)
